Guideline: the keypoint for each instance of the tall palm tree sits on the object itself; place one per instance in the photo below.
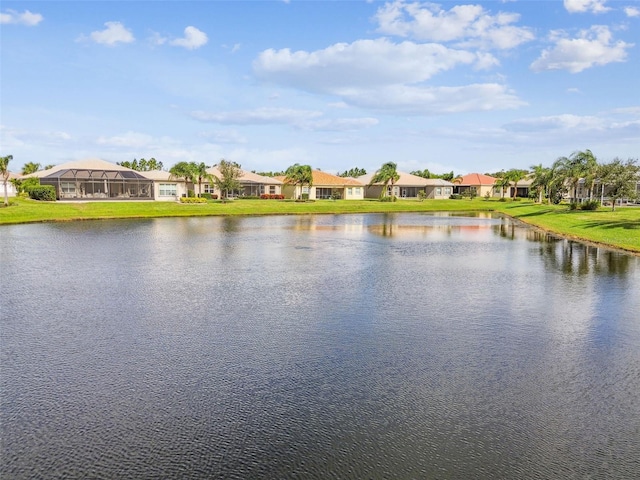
(387, 175)
(503, 182)
(541, 179)
(298, 174)
(515, 175)
(588, 169)
(4, 173)
(200, 174)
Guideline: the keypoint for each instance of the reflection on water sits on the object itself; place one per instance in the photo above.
(355, 346)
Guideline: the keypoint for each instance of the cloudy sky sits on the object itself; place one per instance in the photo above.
(468, 87)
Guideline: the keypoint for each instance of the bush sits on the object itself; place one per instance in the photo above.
(249, 197)
(455, 196)
(191, 193)
(502, 199)
(45, 193)
(272, 196)
(590, 205)
(573, 206)
(389, 198)
(193, 200)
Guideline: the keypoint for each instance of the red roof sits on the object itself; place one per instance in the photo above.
(476, 179)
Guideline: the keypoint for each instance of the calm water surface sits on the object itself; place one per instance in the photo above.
(357, 346)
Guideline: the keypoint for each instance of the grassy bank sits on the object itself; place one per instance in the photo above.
(620, 229)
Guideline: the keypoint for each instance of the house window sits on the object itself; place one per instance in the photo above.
(357, 190)
(272, 189)
(68, 187)
(323, 192)
(350, 191)
(168, 190)
(439, 191)
(447, 190)
(208, 188)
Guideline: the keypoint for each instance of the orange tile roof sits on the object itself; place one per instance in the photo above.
(476, 179)
(321, 178)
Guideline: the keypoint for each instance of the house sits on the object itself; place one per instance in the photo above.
(11, 190)
(325, 186)
(408, 186)
(166, 187)
(481, 184)
(96, 179)
(251, 184)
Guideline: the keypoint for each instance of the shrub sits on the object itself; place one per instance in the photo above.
(573, 206)
(272, 196)
(304, 197)
(389, 198)
(193, 200)
(590, 205)
(45, 193)
(455, 196)
(191, 193)
(206, 195)
(422, 195)
(502, 199)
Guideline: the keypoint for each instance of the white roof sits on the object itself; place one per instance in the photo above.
(408, 180)
(88, 164)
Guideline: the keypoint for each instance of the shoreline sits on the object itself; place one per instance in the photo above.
(618, 231)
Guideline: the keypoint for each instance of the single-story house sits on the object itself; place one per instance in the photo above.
(325, 186)
(481, 184)
(408, 186)
(166, 187)
(11, 190)
(251, 184)
(96, 179)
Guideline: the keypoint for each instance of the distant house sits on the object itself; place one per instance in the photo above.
(408, 186)
(325, 186)
(166, 187)
(95, 179)
(481, 184)
(251, 184)
(11, 190)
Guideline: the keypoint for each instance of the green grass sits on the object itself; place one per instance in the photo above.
(620, 229)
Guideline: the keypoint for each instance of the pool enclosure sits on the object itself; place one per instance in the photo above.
(96, 184)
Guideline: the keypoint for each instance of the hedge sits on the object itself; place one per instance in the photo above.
(193, 200)
(45, 193)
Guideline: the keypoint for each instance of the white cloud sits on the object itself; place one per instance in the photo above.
(115, 33)
(435, 100)
(555, 122)
(593, 47)
(363, 63)
(193, 38)
(632, 11)
(469, 24)
(25, 18)
(259, 116)
(580, 6)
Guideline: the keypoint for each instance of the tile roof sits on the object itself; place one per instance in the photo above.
(476, 179)
(321, 179)
(249, 177)
(409, 180)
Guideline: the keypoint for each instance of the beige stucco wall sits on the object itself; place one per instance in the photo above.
(180, 190)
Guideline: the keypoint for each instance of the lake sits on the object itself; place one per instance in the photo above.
(337, 346)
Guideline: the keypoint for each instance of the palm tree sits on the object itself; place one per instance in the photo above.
(4, 173)
(298, 174)
(183, 170)
(387, 174)
(588, 169)
(541, 180)
(503, 182)
(200, 174)
(30, 167)
(515, 175)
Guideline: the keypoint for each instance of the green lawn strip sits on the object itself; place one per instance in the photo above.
(24, 210)
(620, 229)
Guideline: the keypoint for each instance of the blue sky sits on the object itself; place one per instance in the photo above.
(468, 87)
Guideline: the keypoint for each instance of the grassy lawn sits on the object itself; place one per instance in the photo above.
(619, 229)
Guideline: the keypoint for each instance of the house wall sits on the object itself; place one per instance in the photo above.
(161, 187)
